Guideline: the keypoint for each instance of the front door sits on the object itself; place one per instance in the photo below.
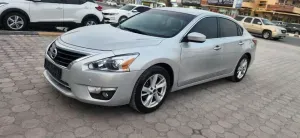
(46, 11)
(201, 61)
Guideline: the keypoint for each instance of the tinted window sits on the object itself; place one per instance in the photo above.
(255, 21)
(267, 22)
(248, 20)
(239, 18)
(127, 7)
(157, 23)
(52, 1)
(208, 27)
(142, 9)
(72, 1)
(227, 28)
(240, 30)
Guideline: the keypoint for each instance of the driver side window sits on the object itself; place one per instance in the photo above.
(207, 26)
(255, 21)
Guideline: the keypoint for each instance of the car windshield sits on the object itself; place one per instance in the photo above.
(267, 22)
(239, 18)
(157, 23)
(127, 7)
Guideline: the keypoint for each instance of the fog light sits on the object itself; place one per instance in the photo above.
(96, 90)
(105, 94)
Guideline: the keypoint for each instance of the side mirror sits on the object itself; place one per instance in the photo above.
(196, 37)
(259, 23)
(134, 11)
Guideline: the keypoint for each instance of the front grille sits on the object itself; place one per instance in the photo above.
(106, 18)
(105, 13)
(283, 31)
(64, 57)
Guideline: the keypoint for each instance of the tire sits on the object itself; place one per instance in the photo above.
(22, 21)
(276, 38)
(122, 18)
(90, 21)
(267, 34)
(236, 77)
(139, 102)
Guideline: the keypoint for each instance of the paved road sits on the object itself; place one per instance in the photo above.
(266, 104)
(291, 40)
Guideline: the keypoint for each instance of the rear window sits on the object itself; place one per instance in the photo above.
(239, 18)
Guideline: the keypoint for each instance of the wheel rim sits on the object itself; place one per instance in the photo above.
(154, 90)
(242, 68)
(15, 22)
(266, 35)
(89, 23)
(122, 19)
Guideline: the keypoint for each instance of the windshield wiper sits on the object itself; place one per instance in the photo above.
(133, 30)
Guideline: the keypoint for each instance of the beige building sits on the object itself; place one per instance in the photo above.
(281, 10)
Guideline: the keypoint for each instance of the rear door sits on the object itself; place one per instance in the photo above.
(72, 9)
(231, 34)
(257, 26)
(46, 11)
(248, 23)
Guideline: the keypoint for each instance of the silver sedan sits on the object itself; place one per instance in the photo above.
(144, 58)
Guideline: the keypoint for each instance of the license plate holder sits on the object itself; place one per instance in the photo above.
(55, 71)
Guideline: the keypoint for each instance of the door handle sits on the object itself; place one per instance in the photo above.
(241, 43)
(217, 47)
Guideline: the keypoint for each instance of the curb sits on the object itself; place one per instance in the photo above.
(2, 32)
(293, 35)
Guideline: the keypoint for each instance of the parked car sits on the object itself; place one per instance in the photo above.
(111, 3)
(142, 60)
(261, 26)
(18, 14)
(293, 28)
(118, 15)
(279, 23)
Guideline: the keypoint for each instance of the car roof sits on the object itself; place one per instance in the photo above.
(189, 11)
(137, 5)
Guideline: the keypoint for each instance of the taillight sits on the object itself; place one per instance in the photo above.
(254, 41)
(99, 8)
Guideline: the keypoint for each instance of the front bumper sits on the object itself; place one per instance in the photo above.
(278, 35)
(110, 19)
(76, 81)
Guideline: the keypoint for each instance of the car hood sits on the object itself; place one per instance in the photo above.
(107, 37)
(114, 11)
(275, 27)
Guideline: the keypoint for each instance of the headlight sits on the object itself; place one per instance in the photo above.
(2, 4)
(116, 63)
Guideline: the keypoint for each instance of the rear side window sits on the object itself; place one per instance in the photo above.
(207, 26)
(239, 18)
(248, 20)
(228, 28)
(240, 30)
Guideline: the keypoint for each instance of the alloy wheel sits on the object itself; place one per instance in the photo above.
(266, 35)
(242, 69)
(89, 23)
(154, 90)
(15, 22)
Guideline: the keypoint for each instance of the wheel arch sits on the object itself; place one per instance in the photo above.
(20, 11)
(249, 56)
(90, 16)
(169, 70)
